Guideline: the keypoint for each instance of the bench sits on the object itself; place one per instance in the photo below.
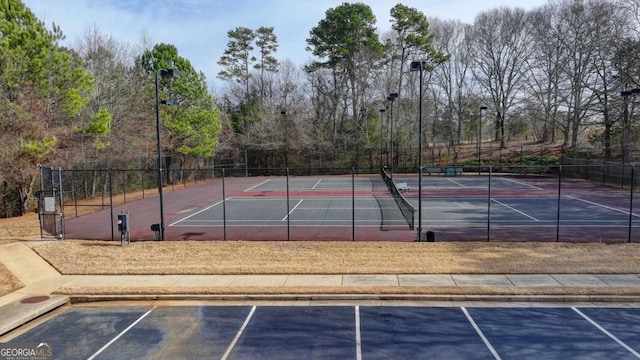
(402, 187)
(453, 171)
(434, 170)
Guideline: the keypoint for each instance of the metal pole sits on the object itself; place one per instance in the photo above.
(213, 166)
(420, 156)
(489, 205)
(73, 191)
(392, 97)
(246, 163)
(478, 140)
(391, 144)
(224, 208)
(61, 194)
(159, 150)
(286, 138)
(288, 210)
(559, 194)
(633, 182)
(482, 108)
(124, 181)
(381, 112)
(111, 203)
(353, 204)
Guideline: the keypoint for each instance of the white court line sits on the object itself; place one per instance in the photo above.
(196, 213)
(484, 339)
(358, 336)
(255, 186)
(235, 340)
(613, 337)
(521, 183)
(457, 183)
(292, 210)
(120, 335)
(601, 205)
(316, 185)
(514, 209)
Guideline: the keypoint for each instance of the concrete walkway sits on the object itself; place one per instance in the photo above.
(42, 282)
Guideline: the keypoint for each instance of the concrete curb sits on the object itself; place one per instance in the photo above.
(79, 299)
(22, 311)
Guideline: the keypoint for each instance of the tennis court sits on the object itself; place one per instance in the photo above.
(513, 206)
(477, 207)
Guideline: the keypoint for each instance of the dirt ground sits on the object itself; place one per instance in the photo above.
(276, 257)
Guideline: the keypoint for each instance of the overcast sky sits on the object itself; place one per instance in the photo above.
(198, 28)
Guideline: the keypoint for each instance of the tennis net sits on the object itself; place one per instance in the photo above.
(406, 208)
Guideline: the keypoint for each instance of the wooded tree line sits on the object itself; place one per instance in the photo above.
(549, 74)
(555, 72)
(92, 102)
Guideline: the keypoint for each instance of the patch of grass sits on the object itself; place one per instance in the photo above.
(273, 257)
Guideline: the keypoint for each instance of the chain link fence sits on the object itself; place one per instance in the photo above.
(576, 201)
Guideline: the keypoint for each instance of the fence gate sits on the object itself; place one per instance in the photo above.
(50, 202)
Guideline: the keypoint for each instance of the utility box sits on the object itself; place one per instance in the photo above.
(124, 228)
(123, 222)
(156, 229)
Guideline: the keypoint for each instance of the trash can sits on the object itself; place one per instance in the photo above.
(431, 236)
(156, 228)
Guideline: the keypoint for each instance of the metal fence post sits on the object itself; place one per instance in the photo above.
(353, 204)
(224, 208)
(143, 183)
(558, 204)
(489, 205)
(113, 237)
(125, 176)
(246, 163)
(73, 190)
(288, 210)
(633, 182)
(61, 194)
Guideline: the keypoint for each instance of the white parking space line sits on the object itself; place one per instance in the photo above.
(235, 340)
(481, 334)
(316, 185)
(120, 335)
(358, 336)
(601, 205)
(292, 210)
(613, 337)
(514, 209)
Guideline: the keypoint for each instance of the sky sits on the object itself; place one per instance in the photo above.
(198, 28)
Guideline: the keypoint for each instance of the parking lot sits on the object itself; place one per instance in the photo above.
(151, 331)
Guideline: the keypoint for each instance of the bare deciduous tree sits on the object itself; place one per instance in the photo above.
(501, 47)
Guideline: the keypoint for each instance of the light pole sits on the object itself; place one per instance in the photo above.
(286, 138)
(392, 97)
(626, 126)
(419, 66)
(381, 114)
(165, 74)
(480, 134)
